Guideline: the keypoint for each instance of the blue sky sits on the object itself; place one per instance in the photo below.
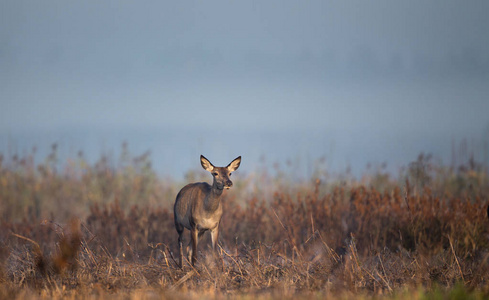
(354, 81)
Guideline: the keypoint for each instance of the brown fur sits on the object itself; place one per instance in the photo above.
(198, 206)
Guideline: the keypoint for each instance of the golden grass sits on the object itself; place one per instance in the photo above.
(375, 238)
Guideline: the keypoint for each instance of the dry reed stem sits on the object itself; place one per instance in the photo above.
(385, 275)
(183, 279)
(38, 248)
(232, 258)
(290, 238)
(456, 258)
(331, 253)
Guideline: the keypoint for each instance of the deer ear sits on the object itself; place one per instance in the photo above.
(206, 164)
(234, 165)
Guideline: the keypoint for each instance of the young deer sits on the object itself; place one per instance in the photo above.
(198, 206)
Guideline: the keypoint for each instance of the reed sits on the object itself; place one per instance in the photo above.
(93, 231)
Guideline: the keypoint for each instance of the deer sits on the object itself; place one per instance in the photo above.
(198, 207)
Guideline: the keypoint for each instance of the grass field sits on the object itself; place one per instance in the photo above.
(78, 230)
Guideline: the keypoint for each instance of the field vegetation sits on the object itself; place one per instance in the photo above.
(94, 230)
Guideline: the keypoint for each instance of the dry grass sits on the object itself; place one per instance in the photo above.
(422, 237)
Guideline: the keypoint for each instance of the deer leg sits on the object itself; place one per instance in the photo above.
(214, 237)
(215, 241)
(190, 250)
(180, 246)
(194, 233)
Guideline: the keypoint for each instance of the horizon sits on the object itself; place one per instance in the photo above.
(298, 161)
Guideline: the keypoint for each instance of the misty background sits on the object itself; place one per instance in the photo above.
(341, 83)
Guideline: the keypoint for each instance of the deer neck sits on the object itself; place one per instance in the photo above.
(214, 199)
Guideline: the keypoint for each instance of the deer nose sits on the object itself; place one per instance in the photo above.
(229, 183)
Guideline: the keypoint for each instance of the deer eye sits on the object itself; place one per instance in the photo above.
(230, 174)
(215, 174)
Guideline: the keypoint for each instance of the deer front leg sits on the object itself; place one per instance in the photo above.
(194, 234)
(189, 248)
(214, 237)
(215, 241)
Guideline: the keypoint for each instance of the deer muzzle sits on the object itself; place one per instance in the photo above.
(228, 184)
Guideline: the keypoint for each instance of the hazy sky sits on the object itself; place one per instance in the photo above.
(379, 75)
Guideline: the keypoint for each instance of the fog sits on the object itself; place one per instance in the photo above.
(353, 82)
